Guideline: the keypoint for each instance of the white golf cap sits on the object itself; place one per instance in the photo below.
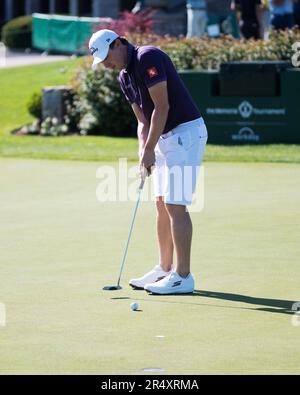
(99, 44)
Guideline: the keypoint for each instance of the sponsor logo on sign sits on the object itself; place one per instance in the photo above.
(246, 110)
(246, 134)
(152, 72)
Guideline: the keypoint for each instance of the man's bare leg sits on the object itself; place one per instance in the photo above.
(164, 234)
(182, 230)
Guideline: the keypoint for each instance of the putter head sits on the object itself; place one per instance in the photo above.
(112, 288)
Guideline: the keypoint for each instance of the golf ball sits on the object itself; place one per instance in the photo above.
(134, 306)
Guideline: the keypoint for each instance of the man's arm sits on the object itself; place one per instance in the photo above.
(159, 96)
(143, 127)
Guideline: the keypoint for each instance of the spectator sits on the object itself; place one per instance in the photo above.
(266, 19)
(220, 8)
(196, 18)
(297, 13)
(250, 19)
(219, 16)
(282, 14)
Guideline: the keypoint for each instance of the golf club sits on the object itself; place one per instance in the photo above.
(118, 286)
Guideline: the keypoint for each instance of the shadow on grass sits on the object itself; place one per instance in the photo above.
(268, 305)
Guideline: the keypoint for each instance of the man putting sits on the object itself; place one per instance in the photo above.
(172, 138)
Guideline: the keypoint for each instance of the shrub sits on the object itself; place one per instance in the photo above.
(17, 32)
(52, 127)
(128, 22)
(99, 103)
(34, 105)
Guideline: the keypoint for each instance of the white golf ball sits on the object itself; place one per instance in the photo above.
(134, 306)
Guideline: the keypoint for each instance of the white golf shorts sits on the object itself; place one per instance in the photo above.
(178, 157)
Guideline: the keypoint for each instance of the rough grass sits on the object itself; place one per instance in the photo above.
(19, 83)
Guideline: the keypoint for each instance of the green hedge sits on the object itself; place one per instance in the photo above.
(207, 53)
(17, 32)
(98, 103)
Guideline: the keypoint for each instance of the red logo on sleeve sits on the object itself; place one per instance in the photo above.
(152, 72)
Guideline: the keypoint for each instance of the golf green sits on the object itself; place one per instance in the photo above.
(60, 246)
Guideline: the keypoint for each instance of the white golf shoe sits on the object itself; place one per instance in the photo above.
(154, 275)
(172, 284)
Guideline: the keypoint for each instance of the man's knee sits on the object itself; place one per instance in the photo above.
(160, 205)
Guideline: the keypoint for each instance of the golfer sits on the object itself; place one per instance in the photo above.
(172, 139)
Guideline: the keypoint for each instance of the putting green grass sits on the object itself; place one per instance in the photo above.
(60, 246)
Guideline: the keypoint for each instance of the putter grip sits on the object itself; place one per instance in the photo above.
(142, 183)
(144, 175)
